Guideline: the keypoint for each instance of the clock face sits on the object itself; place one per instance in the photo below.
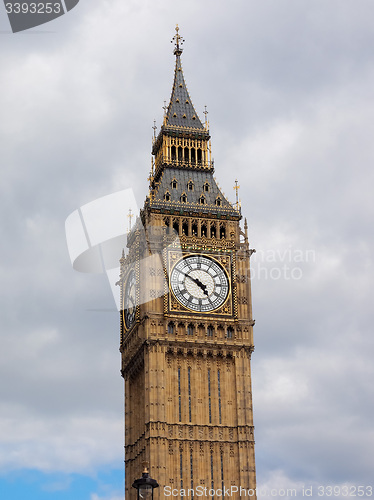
(199, 283)
(129, 309)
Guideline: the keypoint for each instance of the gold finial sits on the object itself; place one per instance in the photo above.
(122, 260)
(178, 40)
(151, 173)
(206, 118)
(150, 179)
(236, 187)
(130, 216)
(165, 108)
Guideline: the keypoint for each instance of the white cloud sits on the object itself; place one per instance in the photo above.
(69, 445)
(94, 496)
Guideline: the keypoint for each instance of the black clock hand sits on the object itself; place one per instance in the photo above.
(201, 285)
(197, 281)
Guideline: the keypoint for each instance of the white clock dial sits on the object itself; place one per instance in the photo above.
(199, 283)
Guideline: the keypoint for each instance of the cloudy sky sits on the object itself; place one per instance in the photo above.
(289, 86)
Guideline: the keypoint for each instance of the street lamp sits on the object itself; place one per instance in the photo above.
(145, 484)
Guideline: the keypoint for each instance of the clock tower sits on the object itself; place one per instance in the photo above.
(186, 320)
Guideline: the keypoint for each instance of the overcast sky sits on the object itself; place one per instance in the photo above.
(289, 86)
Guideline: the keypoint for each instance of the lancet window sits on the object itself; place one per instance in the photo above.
(189, 393)
(209, 398)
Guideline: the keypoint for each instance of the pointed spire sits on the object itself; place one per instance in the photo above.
(181, 112)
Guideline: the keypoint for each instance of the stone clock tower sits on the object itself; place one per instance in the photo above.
(186, 321)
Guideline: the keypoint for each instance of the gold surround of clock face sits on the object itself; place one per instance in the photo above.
(199, 283)
(129, 300)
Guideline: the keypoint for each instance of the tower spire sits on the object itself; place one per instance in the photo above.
(181, 112)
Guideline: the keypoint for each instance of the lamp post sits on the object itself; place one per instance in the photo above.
(145, 485)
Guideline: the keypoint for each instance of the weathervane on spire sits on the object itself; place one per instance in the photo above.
(178, 40)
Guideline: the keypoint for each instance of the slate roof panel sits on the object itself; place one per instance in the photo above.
(199, 178)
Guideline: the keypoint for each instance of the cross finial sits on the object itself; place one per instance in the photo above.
(178, 40)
